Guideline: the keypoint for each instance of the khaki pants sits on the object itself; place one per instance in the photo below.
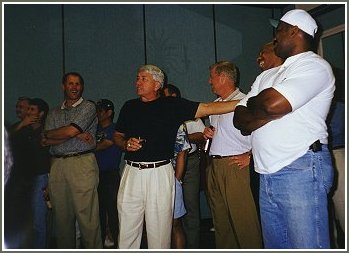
(339, 193)
(233, 209)
(73, 191)
(146, 194)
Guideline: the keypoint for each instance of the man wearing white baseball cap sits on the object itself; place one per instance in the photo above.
(285, 113)
(299, 18)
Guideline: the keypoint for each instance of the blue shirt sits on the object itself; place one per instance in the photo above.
(336, 126)
(108, 159)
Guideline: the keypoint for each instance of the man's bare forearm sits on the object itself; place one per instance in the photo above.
(196, 138)
(119, 140)
(246, 121)
(61, 133)
(206, 109)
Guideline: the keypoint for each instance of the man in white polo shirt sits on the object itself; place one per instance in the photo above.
(285, 113)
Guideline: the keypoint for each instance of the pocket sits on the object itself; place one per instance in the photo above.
(327, 170)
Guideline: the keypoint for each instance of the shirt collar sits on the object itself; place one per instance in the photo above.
(73, 105)
(292, 59)
(231, 96)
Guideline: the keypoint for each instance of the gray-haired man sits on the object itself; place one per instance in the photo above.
(147, 132)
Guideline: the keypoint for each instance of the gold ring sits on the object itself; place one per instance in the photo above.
(128, 145)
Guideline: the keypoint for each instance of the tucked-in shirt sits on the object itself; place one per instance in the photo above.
(306, 80)
(157, 122)
(81, 115)
(227, 140)
(108, 159)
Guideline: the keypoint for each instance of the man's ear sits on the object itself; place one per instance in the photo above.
(294, 30)
(222, 77)
(157, 86)
(41, 114)
(109, 113)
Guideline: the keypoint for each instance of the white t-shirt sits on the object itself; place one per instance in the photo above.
(227, 140)
(194, 126)
(306, 80)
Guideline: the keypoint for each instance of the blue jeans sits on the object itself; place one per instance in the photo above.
(39, 212)
(293, 203)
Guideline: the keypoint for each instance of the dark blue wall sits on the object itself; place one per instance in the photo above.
(106, 43)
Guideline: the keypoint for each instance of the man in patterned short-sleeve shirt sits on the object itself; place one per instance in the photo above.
(70, 131)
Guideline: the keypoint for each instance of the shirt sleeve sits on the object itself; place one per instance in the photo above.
(87, 114)
(304, 82)
(188, 108)
(253, 92)
(195, 126)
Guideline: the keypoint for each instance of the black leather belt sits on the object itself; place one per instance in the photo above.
(338, 147)
(142, 166)
(316, 146)
(220, 156)
(73, 154)
(194, 153)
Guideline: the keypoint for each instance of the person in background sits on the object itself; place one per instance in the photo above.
(191, 178)
(267, 58)
(22, 107)
(8, 160)
(108, 157)
(74, 172)
(336, 129)
(147, 132)
(233, 209)
(178, 162)
(32, 163)
(285, 114)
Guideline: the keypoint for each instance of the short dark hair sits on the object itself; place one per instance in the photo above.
(65, 77)
(172, 89)
(23, 98)
(42, 106)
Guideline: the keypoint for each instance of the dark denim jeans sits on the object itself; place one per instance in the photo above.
(293, 203)
(108, 187)
(40, 210)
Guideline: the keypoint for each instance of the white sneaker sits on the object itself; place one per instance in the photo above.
(212, 229)
(108, 242)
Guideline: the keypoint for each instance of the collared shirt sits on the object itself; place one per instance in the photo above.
(307, 82)
(227, 140)
(63, 106)
(81, 115)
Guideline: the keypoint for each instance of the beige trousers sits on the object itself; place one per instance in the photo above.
(339, 194)
(73, 191)
(232, 206)
(146, 194)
